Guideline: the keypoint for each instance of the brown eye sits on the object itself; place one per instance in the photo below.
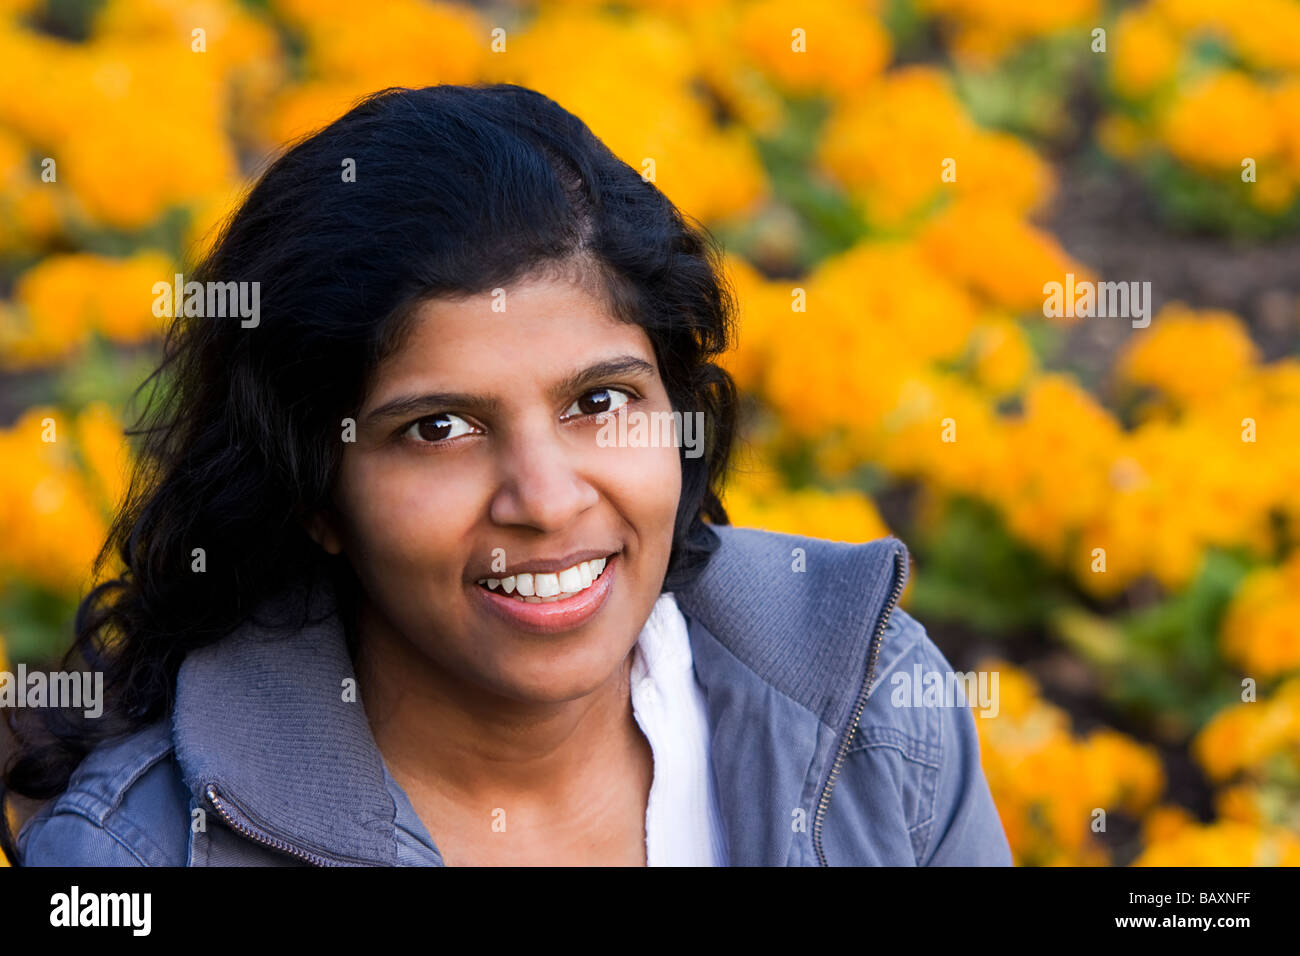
(436, 428)
(598, 401)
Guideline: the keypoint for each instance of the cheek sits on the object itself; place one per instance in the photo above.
(399, 520)
(647, 483)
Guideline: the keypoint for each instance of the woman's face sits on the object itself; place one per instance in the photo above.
(478, 452)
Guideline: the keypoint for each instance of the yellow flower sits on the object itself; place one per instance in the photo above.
(1286, 104)
(53, 526)
(1144, 52)
(11, 8)
(765, 319)
(28, 212)
(998, 254)
(1222, 119)
(238, 43)
(1003, 357)
(988, 29)
(353, 51)
(1173, 489)
(727, 70)
(1212, 120)
(1047, 784)
(1054, 475)
(104, 449)
(1166, 822)
(208, 215)
(309, 106)
(1261, 629)
(96, 108)
(1190, 355)
(842, 46)
(904, 143)
(834, 515)
(1001, 166)
(1018, 692)
(940, 428)
(1240, 803)
(888, 290)
(123, 313)
(63, 298)
(1132, 771)
(657, 122)
(1226, 843)
(397, 43)
(887, 144)
(1242, 737)
(1265, 39)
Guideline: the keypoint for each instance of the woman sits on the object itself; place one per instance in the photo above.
(406, 584)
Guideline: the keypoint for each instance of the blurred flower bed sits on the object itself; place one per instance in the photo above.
(879, 191)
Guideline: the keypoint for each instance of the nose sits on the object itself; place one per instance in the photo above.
(542, 483)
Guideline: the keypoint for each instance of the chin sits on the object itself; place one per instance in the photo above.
(554, 676)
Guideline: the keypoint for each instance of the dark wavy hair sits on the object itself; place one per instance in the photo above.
(458, 190)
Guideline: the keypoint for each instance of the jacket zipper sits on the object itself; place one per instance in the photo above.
(822, 805)
(258, 836)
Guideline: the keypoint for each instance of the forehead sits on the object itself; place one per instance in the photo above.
(536, 328)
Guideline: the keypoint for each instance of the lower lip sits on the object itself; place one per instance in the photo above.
(553, 617)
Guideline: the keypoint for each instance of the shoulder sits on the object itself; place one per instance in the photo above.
(889, 719)
(797, 611)
(775, 550)
(125, 805)
(919, 730)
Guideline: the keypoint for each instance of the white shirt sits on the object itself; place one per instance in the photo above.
(683, 824)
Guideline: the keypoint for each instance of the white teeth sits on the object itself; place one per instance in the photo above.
(544, 588)
(571, 580)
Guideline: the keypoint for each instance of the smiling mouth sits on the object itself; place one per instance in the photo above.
(548, 588)
(551, 614)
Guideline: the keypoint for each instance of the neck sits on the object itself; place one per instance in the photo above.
(442, 735)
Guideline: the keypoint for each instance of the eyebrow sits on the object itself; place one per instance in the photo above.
(413, 405)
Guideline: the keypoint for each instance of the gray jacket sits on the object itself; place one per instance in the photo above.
(263, 763)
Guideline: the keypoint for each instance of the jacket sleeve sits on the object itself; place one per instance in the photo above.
(70, 839)
(966, 829)
(98, 821)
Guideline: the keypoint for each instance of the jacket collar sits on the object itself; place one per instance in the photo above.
(781, 628)
(263, 715)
